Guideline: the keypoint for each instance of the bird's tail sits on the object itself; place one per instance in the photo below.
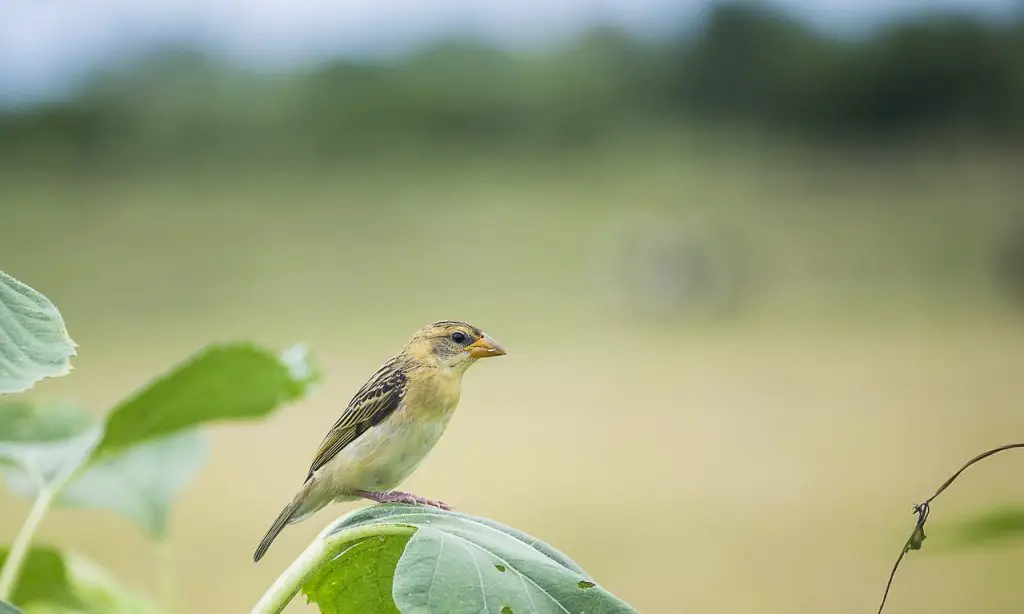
(287, 515)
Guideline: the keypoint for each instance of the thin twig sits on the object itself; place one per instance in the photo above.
(977, 458)
(922, 510)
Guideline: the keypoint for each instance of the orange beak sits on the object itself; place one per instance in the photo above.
(485, 347)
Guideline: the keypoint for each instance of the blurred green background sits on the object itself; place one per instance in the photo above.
(761, 285)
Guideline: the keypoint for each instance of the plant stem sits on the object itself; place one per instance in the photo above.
(20, 547)
(329, 544)
(48, 493)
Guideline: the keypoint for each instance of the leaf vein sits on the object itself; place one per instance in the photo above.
(433, 576)
(479, 574)
(388, 519)
(512, 567)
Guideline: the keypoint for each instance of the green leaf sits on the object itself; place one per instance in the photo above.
(40, 445)
(142, 482)
(223, 382)
(34, 344)
(457, 563)
(33, 422)
(45, 442)
(44, 578)
(151, 447)
(44, 463)
(995, 527)
(916, 541)
(100, 592)
(139, 483)
(55, 582)
(360, 578)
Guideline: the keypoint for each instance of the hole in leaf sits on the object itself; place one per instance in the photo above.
(507, 610)
(585, 584)
(499, 567)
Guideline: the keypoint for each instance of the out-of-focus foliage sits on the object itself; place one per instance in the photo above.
(34, 344)
(994, 527)
(148, 447)
(59, 582)
(140, 483)
(97, 590)
(745, 62)
(44, 577)
(223, 382)
(134, 463)
(912, 75)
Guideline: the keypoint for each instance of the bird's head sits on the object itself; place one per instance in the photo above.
(451, 344)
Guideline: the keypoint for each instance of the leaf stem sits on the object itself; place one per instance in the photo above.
(11, 571)
(329, 544)
(20, 546)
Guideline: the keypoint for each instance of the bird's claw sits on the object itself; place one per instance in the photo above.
(411, 499)
(434, 503)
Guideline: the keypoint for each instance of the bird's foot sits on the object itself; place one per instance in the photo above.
(397, 496)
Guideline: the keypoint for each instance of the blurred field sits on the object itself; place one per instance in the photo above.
(762, 460)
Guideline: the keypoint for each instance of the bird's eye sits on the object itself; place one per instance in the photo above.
(459, 337)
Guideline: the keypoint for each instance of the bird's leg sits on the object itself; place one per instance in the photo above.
(397, 496)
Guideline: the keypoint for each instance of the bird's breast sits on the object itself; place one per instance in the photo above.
(386, 454)
(432, 393)
(395, 448)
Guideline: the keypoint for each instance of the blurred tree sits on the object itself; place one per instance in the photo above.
(942, 69)
(756, 63)
(745, 62)
(752, 62)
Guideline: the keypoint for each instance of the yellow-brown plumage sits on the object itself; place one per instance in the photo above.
(391, 424)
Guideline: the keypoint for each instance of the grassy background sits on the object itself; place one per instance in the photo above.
(764, 459)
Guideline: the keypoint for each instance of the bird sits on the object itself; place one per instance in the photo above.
(392, 422)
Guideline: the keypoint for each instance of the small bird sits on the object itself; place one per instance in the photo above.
(390, 424)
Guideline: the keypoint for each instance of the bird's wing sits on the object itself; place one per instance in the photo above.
(374, 402)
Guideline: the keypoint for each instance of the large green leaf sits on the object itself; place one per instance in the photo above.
(44, 578)
(223, 382)
(55, 582)
(34, 342)
(26, 421)
(456, 563)
(45, 444)
(360, 578)
(154, 449)
(139, 483)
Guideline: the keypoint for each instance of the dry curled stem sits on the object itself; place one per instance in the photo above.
(922, 510)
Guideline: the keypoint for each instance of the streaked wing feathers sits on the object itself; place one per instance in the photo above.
(375, 401)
